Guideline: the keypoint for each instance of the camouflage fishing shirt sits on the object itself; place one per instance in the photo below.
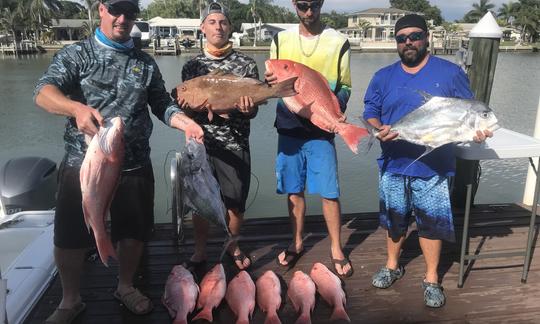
(116, 84)
(233, 133)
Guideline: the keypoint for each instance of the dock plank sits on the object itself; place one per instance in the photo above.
(492, 290)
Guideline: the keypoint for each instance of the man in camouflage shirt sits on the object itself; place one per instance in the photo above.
(226, 140)
(89, 82)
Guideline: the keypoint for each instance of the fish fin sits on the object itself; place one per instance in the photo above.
(372, 134)
(285, 88)
(352, 135)
(205, 313)
(217, 72)
(272, 318)
(304, 318)
(424, 95)
(339, 313)
(210, 115)
(428, 150)
(224, 115)
(105, 250)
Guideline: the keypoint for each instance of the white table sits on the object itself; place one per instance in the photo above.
(505, 144)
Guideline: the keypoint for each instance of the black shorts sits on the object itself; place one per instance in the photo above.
(233, 173)
(132, 209)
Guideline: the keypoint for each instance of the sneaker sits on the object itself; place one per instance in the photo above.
(433, 294)
(385, 277)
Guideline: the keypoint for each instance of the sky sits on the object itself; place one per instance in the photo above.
(451, 10)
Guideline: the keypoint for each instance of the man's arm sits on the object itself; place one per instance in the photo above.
(52, 100)
(344, 78)
(184, 123)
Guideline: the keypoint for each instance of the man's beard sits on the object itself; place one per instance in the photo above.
(414, 55)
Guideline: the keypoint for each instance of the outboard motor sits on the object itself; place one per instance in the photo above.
(27, 183)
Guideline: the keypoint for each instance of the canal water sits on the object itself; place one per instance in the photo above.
(26, 130)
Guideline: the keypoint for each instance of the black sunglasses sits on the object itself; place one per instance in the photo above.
(118, 11)
(305, 6)
(416, 36)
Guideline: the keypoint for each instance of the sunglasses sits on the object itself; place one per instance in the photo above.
(416, 36)
(305, 6)
(118, 11)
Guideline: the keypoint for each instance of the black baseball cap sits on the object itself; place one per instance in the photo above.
(215, 7)
(135, 3)
(412, 20)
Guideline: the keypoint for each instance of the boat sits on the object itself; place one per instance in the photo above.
(27, 199)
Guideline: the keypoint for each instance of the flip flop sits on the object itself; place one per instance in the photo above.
(65, 316)
(241, 258)
(133, 298)
(291, 257)
(342, 263)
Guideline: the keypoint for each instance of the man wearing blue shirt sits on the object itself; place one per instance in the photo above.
(420, 187)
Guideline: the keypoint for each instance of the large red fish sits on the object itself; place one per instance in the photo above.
(329, 287)
(180, 294)
(315, 100)
(241, 297)
(99, 176)
(302, 295)
(213, 288)
(269, 296)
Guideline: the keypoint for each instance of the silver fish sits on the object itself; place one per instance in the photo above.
(200, 189)
(442, 120)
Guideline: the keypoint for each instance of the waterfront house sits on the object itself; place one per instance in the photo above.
(70, 29)
(175, 27)
(265, 31)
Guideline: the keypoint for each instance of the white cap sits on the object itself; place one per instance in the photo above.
(487, 27)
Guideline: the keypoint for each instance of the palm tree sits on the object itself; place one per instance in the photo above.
(479, 10)
(363, 25)
(530, 23)
(507, 12)
(9, 20)
(42, 10)
(91, 9)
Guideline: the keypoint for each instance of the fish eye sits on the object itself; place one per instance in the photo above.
(485, 115)
(183, 88)
(286, 67)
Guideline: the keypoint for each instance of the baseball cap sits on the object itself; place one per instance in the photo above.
(412, 20)
(135, 3)
(215, 7)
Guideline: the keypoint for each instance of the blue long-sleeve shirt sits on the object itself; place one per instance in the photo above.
(393, 93)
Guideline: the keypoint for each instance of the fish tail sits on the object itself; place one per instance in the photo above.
(106, 250)
(304, 318)
(272, 318)
(352, 135)
(339, 313)
(284, 88)
(206, 314)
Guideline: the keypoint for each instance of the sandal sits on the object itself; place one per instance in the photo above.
(65, 316)
(194, 266)
(132, 299)
(241, 258)
(342, 263)
(291, 257)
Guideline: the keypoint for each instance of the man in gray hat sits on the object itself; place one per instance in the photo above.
(409, 185)
(89, 82)
(226, 140)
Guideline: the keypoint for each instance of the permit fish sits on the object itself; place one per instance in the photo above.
(301, 292)
(200, 189)
(442, 120)
(329, 287)
(315, 100)
(180, 294)
(241, 297)
(213, 288)
(222, 91)
(269, 296)
(99, 176)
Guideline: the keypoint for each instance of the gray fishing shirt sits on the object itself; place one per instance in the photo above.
(116, 84)
(233, 133)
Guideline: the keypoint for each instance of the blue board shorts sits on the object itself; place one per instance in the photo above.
(307, 162)
(428, 198)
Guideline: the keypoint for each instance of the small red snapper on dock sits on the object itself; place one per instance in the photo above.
(213, 288)
(180, 294)
(302, 295)
(241, 297)
(315, 100)
(99, 177)
(329, 287)
(269, 296)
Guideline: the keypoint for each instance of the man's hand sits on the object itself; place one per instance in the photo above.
(191, 128)
(385, 135)
(270, 78)
(482, 135)
(246, 105)
(88, 119)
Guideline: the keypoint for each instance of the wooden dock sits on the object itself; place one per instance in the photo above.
(166, 48)
(492, 291)
(19, 48)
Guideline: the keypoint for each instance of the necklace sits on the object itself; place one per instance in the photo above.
(314, 47)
